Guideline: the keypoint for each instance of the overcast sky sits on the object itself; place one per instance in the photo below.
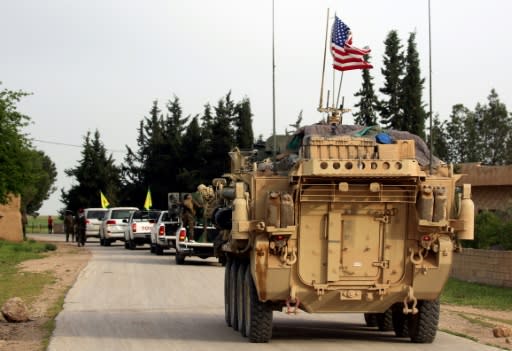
(99, 64)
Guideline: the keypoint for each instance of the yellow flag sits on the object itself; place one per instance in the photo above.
(148, 203)
(104, 201)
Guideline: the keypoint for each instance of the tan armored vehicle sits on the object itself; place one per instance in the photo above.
(348, 225)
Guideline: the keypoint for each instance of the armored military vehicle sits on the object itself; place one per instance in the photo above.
(355, 221)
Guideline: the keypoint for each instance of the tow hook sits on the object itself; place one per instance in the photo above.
(292, 309)
(410, 298)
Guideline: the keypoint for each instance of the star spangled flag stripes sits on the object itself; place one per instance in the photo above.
(346, 57)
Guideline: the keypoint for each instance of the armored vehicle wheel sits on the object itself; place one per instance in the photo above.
(233, 296)
(423, 325)
(180, 259)
(240, 287)
(400, 321)
(370, 319)
(227, 309)
(385, 320)
(258, 315)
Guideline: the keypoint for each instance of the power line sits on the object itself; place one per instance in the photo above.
(72, 145)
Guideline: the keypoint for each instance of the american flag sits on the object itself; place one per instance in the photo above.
(346, 57)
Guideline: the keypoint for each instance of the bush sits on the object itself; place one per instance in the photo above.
(493, 230)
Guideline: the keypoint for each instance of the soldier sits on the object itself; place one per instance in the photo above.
(80, 228)
(188, 216)
(69, 225)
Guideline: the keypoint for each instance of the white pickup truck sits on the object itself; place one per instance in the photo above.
(202, 247)
(113, 225)
(138, 231)
(163, 233)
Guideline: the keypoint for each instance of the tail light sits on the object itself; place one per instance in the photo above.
(161, 230)
(134, 227)
(183, 234)
(111, 221)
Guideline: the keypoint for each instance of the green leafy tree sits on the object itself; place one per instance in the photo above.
(494, 126)
(389, 108)
(462, 136)
(13, 143)
(413, 113)
(190, 169)
(223, 137)
(439, 139)
(39, 179)
(368, 104)
(244, 135)
(95, 172)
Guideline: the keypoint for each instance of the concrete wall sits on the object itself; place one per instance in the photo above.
(10, 220)
(490, 267)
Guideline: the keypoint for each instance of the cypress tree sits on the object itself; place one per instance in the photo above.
(243, 122)
(413, 112)
(368, 103)
(389, 108)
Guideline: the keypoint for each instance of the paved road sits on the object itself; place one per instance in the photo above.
(132, 300)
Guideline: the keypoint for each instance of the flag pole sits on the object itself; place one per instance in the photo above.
(325, 54)
(430, 82)
(273, 93)
(339, 89)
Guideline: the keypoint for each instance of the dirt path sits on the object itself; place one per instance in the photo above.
(65, 263)
(68, 260)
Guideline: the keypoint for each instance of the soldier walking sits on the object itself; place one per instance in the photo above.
(69, 224)
(80, 228)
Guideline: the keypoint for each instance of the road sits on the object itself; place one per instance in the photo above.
(132, 300)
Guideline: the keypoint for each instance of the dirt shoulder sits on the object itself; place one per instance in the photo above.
(65, 264)
(68, 260)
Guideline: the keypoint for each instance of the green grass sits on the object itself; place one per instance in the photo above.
(39, 224)
(22, 284)
(458, 292)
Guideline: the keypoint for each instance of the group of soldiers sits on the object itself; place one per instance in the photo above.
(75, 226)
(204, 201)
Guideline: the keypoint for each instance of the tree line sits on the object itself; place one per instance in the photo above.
(174, 153)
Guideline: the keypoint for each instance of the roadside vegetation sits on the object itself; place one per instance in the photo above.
(461, 293)
(22, 284)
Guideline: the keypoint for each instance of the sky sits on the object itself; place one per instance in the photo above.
(100, 64)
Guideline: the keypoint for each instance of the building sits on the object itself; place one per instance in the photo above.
(491, 186)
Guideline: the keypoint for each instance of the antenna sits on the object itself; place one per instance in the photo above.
(274, 148)
(323, 68)
(430, 82)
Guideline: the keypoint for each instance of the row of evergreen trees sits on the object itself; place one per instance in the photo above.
(174, 153)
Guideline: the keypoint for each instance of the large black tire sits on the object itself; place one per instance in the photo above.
(258, 315)
(233, 295)
(400, 321)
(180, 258)
(152, 248)
(370, 319)
(240, 307)
(131, 244)
(227, 309)
(385, 320)
(159, 250)
(102, 242)
(423, 325)
(126, 245)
